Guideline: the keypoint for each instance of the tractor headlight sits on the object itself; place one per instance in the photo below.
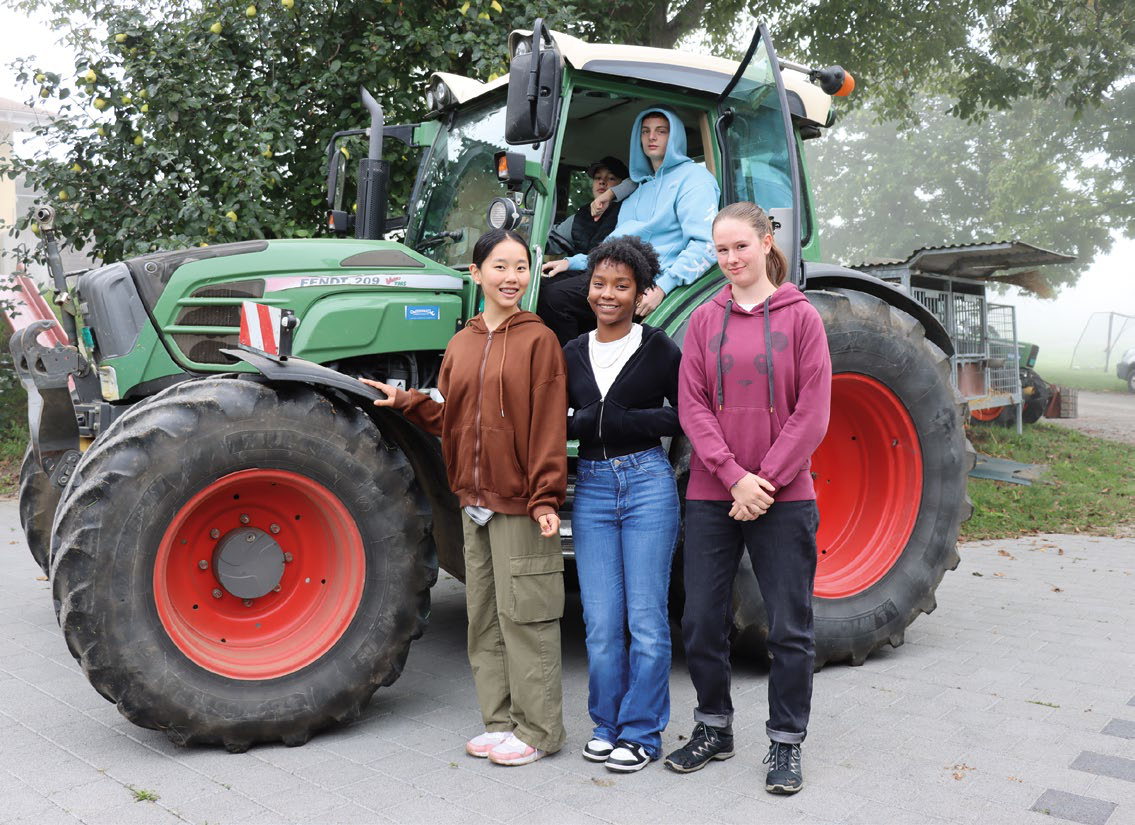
(503, 214)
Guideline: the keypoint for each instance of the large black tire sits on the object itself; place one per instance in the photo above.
(892, 398)
(169, 466)
(38, 500)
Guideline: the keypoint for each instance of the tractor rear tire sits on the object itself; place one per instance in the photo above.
(890, 481)
(1035, 394)
(177, 621)
(38, 500)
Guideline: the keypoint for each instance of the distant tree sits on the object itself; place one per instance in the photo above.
(1039, 173)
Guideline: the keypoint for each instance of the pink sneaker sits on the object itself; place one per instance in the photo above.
(514, 752)
(480, 746)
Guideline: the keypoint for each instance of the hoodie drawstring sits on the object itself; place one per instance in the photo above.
(720, 347)
(768, 356)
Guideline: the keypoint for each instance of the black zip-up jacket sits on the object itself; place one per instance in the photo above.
(632, 417)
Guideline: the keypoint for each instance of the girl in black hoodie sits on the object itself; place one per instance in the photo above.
(625, 514)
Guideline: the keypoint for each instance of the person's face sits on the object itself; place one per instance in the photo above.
(612, 293)
(741, 252)
(604, 179)
(655, 135)
(504, 275)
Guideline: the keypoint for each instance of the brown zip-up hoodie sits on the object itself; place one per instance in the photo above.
(503, 424)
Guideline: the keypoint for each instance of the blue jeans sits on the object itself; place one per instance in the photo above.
(625, 526)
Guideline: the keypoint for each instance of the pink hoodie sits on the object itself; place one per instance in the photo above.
(724, 392)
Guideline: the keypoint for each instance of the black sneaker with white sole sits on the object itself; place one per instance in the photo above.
(628, 757)
(706, 743)
(597, 750)
(785, 774)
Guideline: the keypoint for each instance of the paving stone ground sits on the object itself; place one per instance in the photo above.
(1014, 702)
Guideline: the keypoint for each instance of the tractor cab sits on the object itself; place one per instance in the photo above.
(566, 103)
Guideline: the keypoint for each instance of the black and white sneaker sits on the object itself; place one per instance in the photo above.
(628, 757)
(706, 743)
(597, 750)
(785, 774)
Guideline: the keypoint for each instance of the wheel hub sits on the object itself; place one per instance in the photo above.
(249, 563)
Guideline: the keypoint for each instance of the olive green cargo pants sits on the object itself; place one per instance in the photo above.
(514, 593)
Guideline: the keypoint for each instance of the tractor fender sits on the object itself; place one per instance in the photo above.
(422, 449)
(832, 276)
(296, 370)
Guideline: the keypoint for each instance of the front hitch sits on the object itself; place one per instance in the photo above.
(45, 373)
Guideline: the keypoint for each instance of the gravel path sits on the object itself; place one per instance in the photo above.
(1109, 415)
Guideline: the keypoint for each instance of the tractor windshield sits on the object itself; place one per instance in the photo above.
(448, 211)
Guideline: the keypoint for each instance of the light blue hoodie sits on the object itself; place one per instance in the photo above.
(672, 209)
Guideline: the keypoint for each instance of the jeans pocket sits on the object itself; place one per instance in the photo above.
(537, 588)
(655, 467)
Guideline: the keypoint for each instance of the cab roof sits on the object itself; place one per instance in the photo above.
(669, 67)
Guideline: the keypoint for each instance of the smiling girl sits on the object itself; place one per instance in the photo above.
(625, 513)
(502, 428)
(754, 398)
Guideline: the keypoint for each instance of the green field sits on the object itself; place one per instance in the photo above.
(1089, 486)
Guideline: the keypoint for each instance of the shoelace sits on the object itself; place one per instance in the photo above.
(783, 757)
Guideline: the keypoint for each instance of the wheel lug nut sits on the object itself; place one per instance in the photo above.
(276, 589)
(217, 593)
(288, 557)
(204, 565)
(275, 528)
(248, 602)
(214, 533)
(244, 519)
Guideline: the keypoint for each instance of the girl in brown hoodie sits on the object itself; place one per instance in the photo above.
(503, 433)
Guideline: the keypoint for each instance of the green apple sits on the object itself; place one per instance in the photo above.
(216, 27)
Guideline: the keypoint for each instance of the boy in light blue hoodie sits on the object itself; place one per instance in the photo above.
(672, 209)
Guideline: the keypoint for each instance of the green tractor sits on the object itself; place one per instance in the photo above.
(241, 548)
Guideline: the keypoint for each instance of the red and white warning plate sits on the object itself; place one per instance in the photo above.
(260, 327)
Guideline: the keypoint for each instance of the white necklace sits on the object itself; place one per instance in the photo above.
(592, 340)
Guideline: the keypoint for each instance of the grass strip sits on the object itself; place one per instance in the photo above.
(1089, 488)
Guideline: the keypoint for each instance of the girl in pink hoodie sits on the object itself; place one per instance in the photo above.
(754, 392)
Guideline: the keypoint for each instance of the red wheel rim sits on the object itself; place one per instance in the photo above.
(868, 475)
(289, 627)
(986, 415)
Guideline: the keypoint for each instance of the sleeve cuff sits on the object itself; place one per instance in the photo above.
(730, 473)
(541, 510)
(666, 282)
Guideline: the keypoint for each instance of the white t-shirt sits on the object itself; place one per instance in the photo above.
(747, 307)
(608, 358)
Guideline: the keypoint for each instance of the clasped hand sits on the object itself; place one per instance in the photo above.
(752, 496)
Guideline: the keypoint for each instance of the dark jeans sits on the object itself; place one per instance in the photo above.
(782, 547)
(563, 305)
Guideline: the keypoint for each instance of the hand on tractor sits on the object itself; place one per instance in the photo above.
(386, 388)
(649, 301)
(549, 525)
(751, 497)
(553, 268)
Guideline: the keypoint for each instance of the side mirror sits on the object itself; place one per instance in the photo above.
(535, 82)
(336, 169)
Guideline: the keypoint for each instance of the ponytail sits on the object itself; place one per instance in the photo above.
(776, 265)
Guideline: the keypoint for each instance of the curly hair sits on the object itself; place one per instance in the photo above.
(632, 252)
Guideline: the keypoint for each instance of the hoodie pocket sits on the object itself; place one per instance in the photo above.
(748, 432)
(537, 588)
(457, 448)
(500, 467)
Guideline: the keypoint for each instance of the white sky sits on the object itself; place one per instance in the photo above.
(1055, 325)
